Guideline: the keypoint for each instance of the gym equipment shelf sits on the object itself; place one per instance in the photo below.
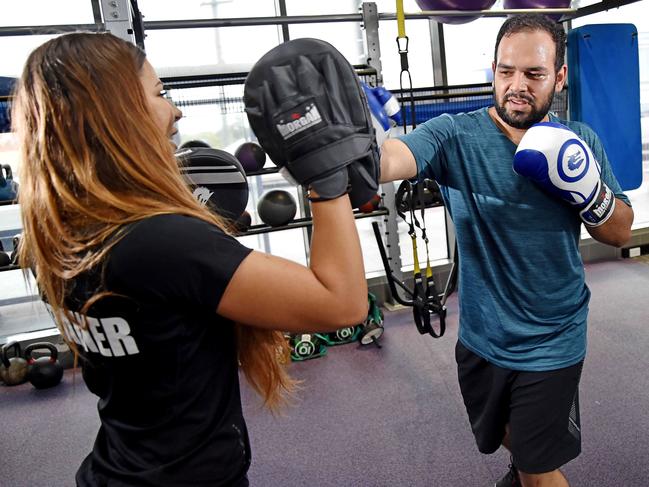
(305, 222)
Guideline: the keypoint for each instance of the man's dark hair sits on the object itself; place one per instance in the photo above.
(534, 22)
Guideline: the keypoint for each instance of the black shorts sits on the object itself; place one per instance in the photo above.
(541, 409)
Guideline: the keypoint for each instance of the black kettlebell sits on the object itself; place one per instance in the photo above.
(14, 255)
(5, 259)
(13, 371)
(8, 187)
(43, 372)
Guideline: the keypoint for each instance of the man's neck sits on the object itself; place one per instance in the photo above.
(512, 133)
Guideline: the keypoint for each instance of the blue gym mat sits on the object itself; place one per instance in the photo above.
(604, 81)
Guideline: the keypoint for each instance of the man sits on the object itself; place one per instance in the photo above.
(523, 298)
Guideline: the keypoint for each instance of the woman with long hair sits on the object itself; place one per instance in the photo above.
(160, 303)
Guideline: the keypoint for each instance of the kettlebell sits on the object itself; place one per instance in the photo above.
(16, 242)
(8, 187)
(5, 259)
(43, 372)
(13, 371)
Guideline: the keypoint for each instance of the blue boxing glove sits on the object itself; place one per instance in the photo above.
(561, 163)
(385, 111)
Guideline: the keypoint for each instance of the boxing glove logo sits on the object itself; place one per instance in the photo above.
(574, 160)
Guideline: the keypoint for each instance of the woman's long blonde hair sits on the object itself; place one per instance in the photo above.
(93, 161)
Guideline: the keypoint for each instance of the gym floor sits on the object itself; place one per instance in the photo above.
(390, 416)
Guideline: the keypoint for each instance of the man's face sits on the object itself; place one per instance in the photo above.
(525, 79)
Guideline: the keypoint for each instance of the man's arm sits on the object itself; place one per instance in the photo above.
(397, 161)
(556, 158)
(617, 229)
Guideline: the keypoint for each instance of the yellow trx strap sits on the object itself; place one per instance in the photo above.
(401, 20)
(402, 45)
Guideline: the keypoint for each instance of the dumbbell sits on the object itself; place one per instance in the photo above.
(13, 370)
(43, 372)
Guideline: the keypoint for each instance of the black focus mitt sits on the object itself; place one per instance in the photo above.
(309, 112)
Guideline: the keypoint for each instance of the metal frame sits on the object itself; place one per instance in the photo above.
(303, 19)
(116, 16)
(370, 24)
(440, 78)
(389, 225)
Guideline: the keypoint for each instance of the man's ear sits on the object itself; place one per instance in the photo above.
(562, 76)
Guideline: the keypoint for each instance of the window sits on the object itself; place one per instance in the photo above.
(420, 59)
(470, 62)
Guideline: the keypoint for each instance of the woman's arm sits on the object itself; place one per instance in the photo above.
(271, 292)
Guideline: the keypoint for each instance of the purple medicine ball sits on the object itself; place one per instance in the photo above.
(455, 5)
(251, 156)
(517, 4)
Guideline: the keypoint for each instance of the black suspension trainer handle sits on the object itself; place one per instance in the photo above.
(422, 309)
(425, 302)
(421, 314)
(392, 281)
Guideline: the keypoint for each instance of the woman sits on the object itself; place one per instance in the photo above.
(146, 284)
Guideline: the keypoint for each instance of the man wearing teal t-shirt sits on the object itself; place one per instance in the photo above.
(518, 192)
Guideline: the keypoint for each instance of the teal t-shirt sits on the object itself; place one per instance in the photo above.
(522, 294)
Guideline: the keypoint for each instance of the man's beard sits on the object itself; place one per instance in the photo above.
(522, 121)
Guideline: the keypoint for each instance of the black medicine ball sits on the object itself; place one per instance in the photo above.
(276, 208)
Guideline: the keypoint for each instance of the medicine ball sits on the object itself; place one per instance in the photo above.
(242, 224)
(526, 4)
(455, 5)
(251, 156)
(371, 205)
(217, 179)
(194, 143)
(277, 208)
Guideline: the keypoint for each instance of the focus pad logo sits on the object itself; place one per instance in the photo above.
(202, 195)
(574, 160)
(302, 117)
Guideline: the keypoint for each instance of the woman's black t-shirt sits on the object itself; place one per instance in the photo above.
(162, 362)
